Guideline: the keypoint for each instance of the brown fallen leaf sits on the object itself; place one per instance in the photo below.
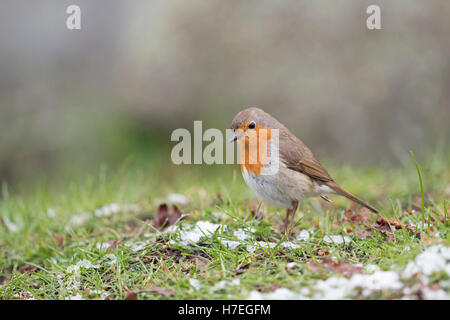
(328, 265)
(164, 218)
(59, 238)
(356, 218)
(383, 225)
(160, 290)
(131, 296)
(359, 220)
(27, 268)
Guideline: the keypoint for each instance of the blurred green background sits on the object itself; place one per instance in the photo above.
(71, 101)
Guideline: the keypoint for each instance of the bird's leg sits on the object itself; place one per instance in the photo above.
(286, 220)
(294, 210)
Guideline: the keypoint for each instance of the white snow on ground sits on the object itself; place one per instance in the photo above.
(51, 213)
(338, 239)
(12, 226)
(262, 244)
(278, 294)
(231, 244)
(138, 246)
(195, 284)
(304, 235)
(223, 284)
(200, 229)
(81, 264)
(102, 246)
(71, 283)
(219, 215)
(104, 211)
(103, 294)
(107, 210)
(75, 297)
(241, 234)
(206, 228)
(177, 198)
(433, 259)
(112, 259)
(80, 219)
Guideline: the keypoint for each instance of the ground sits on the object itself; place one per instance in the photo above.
(110, 236)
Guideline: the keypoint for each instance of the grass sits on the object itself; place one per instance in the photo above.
(44, 234)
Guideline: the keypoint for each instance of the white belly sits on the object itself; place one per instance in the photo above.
(283, 188)
(265, 188)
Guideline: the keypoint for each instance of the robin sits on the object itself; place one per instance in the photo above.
(299, 174)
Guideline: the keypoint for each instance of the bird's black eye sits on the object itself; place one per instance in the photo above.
(251, 125)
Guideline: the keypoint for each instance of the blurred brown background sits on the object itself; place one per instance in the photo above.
(139, 69)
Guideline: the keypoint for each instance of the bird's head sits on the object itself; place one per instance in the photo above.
(252, 121)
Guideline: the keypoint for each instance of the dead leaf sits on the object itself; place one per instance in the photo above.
(27, 268)
(59, 238)
(362, 217)
(164, 219)
(384, 226)
(131, 296)
(328, 265)
(160, 290)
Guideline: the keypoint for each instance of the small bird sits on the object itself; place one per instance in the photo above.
(299, 174)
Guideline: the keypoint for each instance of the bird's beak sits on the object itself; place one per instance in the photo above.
(236, 137)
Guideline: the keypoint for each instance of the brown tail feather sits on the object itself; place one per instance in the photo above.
(350, 196)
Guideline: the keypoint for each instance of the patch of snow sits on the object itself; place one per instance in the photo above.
(102, 246)
(231, 244)
(290, 245)
(103, 294)
(241, 234)
(200, 229)
(112, 259)
(12, 226)
(304, 235)
(170, 229)
(177, 198)
(223, 284)
(337, 239)
(81, 264)
(435, 258)
(75, 297)
(80, 219)
(108, 210)
(337, 287)
(195, 284)
(51, 213)
(341, 288)
(278, 294)
(371, 268)
(263, 244)
(139, 246)
(430, 294)
(219, 215)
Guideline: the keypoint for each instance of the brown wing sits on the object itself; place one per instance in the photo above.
(314, 169)
(296, 156)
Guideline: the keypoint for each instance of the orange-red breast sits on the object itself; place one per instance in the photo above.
(299, 176)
